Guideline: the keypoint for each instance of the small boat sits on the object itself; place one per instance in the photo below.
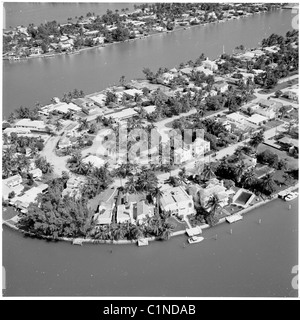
(291, 196)
(195, 239)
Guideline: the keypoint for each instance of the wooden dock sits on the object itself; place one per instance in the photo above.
(142, 242)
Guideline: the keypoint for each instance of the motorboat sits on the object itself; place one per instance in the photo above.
(195, 239)
(291, 196)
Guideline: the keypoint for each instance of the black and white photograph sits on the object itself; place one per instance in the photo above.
(150, 151)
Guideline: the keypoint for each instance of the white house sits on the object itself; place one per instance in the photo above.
(211, 65)
(214, 187)
(13, 181)
(177, 201)
(36, 173)
(30, 124)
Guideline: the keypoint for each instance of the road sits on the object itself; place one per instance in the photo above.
(59, 163)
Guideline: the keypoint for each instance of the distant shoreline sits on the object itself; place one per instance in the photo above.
(54, 55)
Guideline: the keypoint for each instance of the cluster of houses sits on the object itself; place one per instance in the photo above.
(13, 190)
(113, 207)
(137, 22)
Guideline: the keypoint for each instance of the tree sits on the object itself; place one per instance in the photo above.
(268, 184)
(257, 139)
(208, 172)
(211, 208)
(157, 194)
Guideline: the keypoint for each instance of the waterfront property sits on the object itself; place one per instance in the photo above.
(243, 198)
(177, 201)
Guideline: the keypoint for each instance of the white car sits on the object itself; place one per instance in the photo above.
(195, 239)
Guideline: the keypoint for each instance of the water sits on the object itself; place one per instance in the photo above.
(26, 82)
(254, 261)
(18, 13)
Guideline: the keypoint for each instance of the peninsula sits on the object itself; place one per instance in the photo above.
(181, 149)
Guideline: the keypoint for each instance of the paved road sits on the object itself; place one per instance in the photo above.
(59, 163)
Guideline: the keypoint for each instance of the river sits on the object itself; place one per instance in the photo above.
(28, 81)
(255, 260)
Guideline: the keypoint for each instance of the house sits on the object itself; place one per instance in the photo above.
(177, 201)
(98, 99)
(107, 196)
(201, 146)
(237, 117)
(125, 213)
(211, 65)
(121, 115)
(18, 131)
(13, 181)
(293, 94)
(257, 119)
(23, 202)
(270, 104)
(74, 185)
(36, 173)
(30, 124)
(141, 211)
(214, 187)
(220, 87)
(64, 143)
(94, 160)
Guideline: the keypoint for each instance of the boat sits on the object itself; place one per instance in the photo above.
(195, 239)
(291, 196)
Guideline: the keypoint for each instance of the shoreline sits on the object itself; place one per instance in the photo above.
(54, 55)
(118, 242)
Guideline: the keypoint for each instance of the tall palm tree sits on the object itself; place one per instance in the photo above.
(268, 184)
(248, 178)
(257, 139)
(157, 194)
(208, 172)
(213, 204)
(131, 185)
(239, 170)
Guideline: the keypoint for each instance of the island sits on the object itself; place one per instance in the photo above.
(81, 33)
(181, 150)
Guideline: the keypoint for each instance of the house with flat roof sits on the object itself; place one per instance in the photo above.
(220, 86)
(257, 119)
(177, 201)
(121, 115)
(13, 181)
(125, 213)
(30, 124)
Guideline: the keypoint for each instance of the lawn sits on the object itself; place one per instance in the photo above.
(8, 213)
(178, 225)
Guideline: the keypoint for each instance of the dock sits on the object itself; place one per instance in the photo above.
(77, 242)
(193, 231)
(234, 218)
(142, 242)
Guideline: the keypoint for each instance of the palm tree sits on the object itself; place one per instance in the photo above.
(257, 139)
(131, 185)
(268, 184)
(58, 125)
(213, 204)
(239, 170)
(208, 172)
(248, 178)
(157, 194)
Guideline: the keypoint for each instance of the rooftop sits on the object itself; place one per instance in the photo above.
(174, 195)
